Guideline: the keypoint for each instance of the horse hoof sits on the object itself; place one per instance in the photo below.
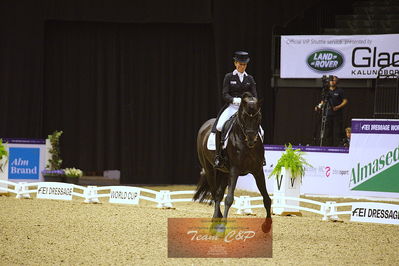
(267, 225)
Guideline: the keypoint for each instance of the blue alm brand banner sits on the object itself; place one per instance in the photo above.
(24, 163)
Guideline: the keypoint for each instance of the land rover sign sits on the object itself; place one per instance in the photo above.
(344, 56)
(325, 60)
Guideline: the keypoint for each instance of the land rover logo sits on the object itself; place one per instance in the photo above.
(325, 60)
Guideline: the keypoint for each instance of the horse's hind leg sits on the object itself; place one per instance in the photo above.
(214, 184)
(267, 202)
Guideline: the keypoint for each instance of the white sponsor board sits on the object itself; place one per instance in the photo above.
(54, 190)
(26, 160)
(329, 175)
(369, 169)
(124, 195)
(346, 56)
(375, 156)
(372, 212)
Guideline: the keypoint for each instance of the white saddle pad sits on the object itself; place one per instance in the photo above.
(211, 142)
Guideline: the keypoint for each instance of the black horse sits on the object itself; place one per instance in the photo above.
(244, 154)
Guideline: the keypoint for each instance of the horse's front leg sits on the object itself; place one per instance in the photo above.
(267, 202)
(230, 193)
(221, 187)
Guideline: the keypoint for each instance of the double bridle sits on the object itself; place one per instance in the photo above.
(240, 124)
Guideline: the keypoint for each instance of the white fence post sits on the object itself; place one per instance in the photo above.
(323, 209)
(163, 199)
(21, 190)
(90, 194)
(243, 205)
(330, 210)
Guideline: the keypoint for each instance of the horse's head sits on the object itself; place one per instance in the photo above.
(249, 118)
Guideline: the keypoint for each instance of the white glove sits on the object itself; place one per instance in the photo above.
(237, 101)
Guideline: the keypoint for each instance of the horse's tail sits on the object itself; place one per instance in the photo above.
(203, 191)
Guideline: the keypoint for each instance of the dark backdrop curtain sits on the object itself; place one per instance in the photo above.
(130, 96)
(131, 81)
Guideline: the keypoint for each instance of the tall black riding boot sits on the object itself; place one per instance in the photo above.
(218, 156)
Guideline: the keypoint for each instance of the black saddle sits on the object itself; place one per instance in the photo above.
(227, 127)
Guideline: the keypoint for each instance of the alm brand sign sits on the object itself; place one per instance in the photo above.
(24, 163)
(325, 60)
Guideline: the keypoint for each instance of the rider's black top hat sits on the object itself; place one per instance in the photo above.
(241, 56)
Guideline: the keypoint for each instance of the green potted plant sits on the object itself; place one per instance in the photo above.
(293, 160)
(72, 175)
(289, 170)
(3, 155)
(53, 171)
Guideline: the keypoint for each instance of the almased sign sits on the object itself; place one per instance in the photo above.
(375, 155)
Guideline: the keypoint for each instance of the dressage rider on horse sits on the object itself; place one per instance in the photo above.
(234, 85)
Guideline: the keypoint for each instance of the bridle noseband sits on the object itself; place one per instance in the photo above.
(241, 125)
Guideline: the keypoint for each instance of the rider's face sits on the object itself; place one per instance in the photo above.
(240, 66)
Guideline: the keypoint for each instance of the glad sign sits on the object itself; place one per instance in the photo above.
(371, 212)
(124, 195)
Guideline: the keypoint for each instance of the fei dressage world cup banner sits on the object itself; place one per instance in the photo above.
(347, 56)
(374, 156)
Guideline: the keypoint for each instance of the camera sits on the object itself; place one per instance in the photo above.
(325, 86)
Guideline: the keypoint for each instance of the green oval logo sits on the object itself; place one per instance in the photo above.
(325, 60)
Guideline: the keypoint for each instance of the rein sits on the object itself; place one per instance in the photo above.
(241, 124)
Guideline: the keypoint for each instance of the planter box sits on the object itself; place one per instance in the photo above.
(72, 180)
(286, 186)
(54, 178)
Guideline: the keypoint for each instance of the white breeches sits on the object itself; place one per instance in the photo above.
(227, 113)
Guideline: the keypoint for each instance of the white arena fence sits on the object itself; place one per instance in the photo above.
(166, 198)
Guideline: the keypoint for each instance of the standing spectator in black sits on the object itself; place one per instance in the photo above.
(334, 101)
